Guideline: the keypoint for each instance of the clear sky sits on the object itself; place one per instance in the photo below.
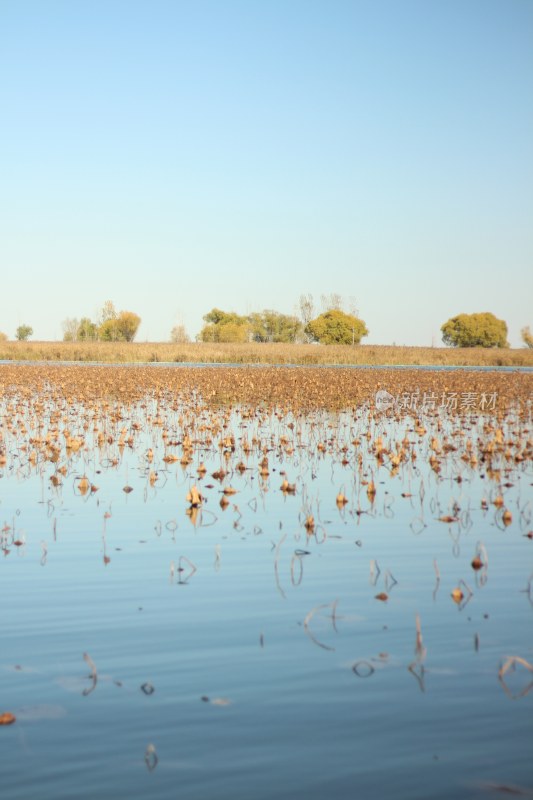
(173, 156)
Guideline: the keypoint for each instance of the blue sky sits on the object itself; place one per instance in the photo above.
(175, 156)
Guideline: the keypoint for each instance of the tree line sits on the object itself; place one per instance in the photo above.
(338, 323)
(110, 326)
(333, 326)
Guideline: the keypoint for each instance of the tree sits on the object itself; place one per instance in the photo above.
(23, 333)
(224, 326)
(336, 327)
(307, 308)
(233, 333)
(527, 337)
(178, 335)
(331, 302)
(117, 327)
(216, 316)
(307, 312)
(475, 330)
(108, 331)
(271, 326)
(87, 330)
(70, 329)
(108, 312)
(127, 324)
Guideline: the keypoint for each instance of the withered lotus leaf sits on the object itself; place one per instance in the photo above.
(457, 595)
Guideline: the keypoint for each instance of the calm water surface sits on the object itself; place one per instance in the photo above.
(262, 365)
(270, 669)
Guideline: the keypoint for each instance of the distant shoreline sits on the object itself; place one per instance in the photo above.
(268, 354)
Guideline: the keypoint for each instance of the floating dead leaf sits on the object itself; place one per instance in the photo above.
(288, 488)
(194, 497)
(383, 596)
(457, 595)
(195, 514)
(83, 485)
(309, 523)
(7, 718)
(127, 489)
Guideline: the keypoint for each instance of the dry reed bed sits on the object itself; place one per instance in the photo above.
(302, 388)
(137, 352)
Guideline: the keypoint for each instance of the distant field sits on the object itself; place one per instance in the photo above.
(136, 352)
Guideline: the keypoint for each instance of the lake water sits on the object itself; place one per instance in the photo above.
(225, 365)
(234, 653)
